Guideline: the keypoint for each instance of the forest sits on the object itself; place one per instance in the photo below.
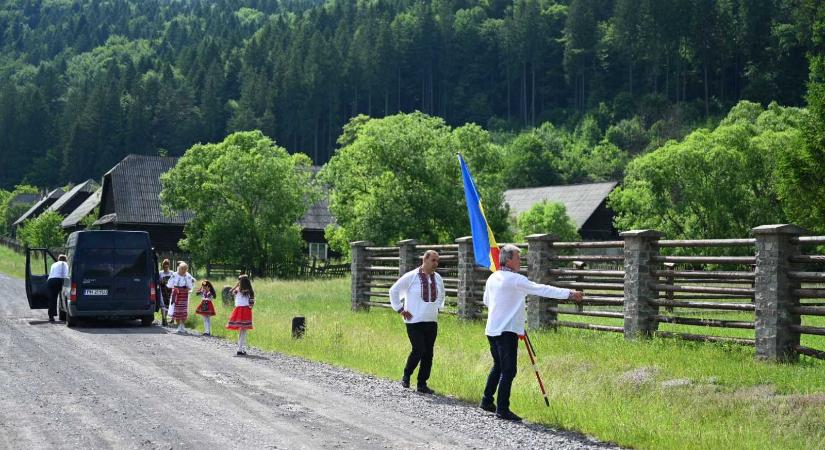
(83, 83)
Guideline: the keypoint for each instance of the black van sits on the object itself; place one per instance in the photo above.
(112, 274)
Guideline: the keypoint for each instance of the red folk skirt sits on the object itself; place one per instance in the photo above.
(205, 308)
(180, 296)
(241, 319)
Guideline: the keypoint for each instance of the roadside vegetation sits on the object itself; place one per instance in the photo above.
(661, 393)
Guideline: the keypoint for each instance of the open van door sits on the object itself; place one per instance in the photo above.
(37, 289)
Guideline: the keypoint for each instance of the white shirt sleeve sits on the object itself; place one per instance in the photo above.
(172, 280)
(441, 293)
(528, 287)
(399, 291)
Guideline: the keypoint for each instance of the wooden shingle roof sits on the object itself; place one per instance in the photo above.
(76, 195)
(39, 207)
(131, 192)
(82, 211)
(581, 200)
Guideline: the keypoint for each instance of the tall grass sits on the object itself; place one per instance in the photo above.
(659, 393)
(11, 263)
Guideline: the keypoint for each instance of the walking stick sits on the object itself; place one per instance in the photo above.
(530, 351)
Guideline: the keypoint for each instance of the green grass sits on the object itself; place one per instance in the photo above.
(732, 401)
(12, 263)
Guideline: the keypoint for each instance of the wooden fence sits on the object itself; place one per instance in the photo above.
(300, 269)
(13, 244)
(765, 291)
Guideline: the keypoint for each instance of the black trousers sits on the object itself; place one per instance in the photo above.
(504, 350)
(54, 285)
(422, 337)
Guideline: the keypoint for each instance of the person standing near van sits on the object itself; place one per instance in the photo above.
(422, 290)
(181, 283)
(166, 293)
(206, 309)
(57, 273)
(241, 318)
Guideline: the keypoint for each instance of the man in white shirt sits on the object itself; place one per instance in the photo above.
(422, 291)
(57, 273)
(504, 296)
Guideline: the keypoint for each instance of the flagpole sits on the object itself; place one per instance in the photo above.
(530, 351)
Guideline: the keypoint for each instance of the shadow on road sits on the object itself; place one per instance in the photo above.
(108, 326)
(44, 322)
(251, 357)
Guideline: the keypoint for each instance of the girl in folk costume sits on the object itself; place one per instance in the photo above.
(206, 309)
(181, 283)
(166, 293)
(241, 318)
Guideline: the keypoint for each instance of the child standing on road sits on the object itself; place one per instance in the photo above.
(241, 318)
(206, 309)
(181, 283)
(165, 291)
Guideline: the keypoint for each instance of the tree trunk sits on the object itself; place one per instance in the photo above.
(533, 96)
(509, 115)
(707, 107)
(524, 93)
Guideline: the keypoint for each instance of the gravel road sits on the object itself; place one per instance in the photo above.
(118, 385)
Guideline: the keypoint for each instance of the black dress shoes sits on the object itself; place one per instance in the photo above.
(508, 415)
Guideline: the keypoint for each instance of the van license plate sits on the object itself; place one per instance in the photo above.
(96, 292)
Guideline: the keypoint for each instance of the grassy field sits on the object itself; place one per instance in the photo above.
(12, 263)
(660, 393)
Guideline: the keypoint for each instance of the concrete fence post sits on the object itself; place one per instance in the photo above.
(639, 314)
(539, 251)
(470, 295)
(773, 292)
(408, 257)
(360, 275)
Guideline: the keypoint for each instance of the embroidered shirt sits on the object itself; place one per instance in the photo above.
(422, 294)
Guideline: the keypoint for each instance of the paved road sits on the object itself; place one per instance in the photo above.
(118, 385)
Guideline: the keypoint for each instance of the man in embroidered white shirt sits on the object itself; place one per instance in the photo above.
(422, 291)
(504, 297)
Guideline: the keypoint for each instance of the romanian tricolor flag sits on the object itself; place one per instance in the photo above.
(485, 247)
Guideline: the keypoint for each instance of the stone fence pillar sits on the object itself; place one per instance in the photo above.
(539, 251)
(773, 292)
(639, 314)
(360, 275)
(408, 258)
(470, 295)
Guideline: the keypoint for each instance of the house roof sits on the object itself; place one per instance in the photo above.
(581, 200)
(39, 207)
(134, 184)
(24, 199)
(318, 216)
(82, 211)
(82, 190)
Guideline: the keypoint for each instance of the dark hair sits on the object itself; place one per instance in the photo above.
(61, 258)
(245, 286)
(210, 287)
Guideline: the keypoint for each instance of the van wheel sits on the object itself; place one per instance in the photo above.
(61, 313)
(147, 320)
(71, 322)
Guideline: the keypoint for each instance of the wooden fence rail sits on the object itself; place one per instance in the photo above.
(751, 285)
